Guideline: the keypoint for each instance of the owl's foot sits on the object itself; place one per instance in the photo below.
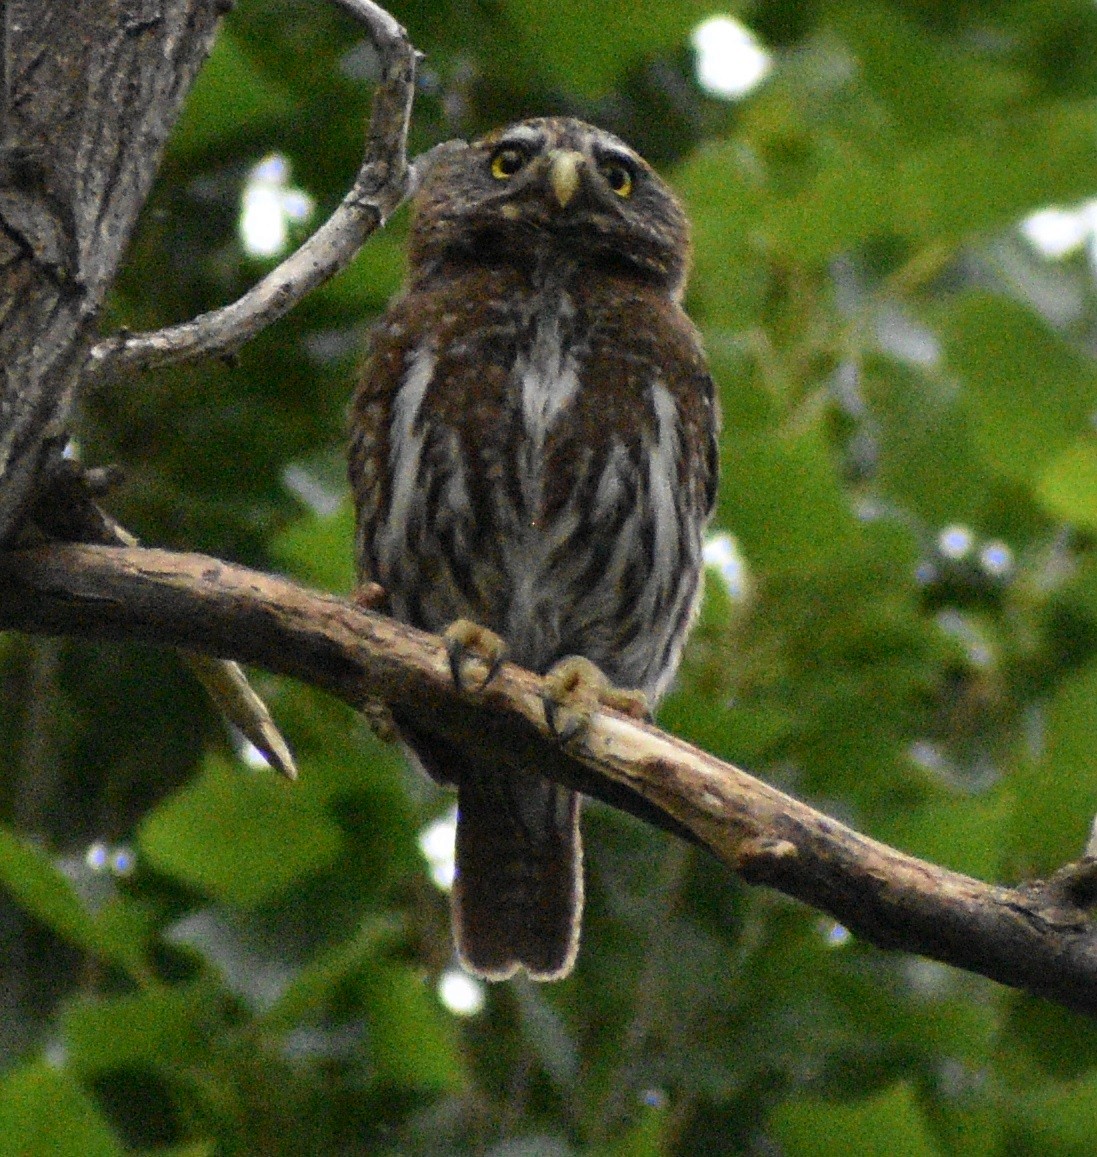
(575, 688)
(465, 641)
(369, 596)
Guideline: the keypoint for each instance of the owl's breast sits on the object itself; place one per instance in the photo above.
(545, 387)
(546, 371)
(532, 467)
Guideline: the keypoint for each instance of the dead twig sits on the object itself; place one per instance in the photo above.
(378, 189)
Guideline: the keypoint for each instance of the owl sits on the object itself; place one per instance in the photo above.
(533, 460)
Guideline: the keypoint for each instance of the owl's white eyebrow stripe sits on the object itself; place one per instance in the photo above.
(529, 138)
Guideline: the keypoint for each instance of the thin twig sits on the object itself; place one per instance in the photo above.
(377, 191)
(66, 511)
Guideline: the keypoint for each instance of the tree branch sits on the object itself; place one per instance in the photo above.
(378, 189)
(1039, 936)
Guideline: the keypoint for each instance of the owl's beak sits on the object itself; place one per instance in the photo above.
(564, 174)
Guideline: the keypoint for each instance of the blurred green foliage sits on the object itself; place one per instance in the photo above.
(198, 960)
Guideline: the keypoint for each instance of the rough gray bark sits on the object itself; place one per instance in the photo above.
(87, 100)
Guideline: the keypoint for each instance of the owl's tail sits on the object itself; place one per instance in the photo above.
(518, 893)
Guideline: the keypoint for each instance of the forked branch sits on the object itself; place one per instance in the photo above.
(1039, 936)
(377, 191)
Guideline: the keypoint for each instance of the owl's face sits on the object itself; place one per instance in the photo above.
(553, 188)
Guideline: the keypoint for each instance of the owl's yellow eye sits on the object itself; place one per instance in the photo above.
(618, 176)
(507, 161)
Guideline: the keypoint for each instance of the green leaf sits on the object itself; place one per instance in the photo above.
(1061, 1043)
(158, 1028)
(1068, 487)
(973, 183)
(927, 462)
(783, 497)
(45, 1113)
(944, 1012)
(963, 184)
(1060, 1119)
(967, 1116)
(318, 549)
(232, 97)
(192, 1149)
(744, 732)
(571, 40)
(33, 879)
(1029, 393)
(128, 923)
(311, 990)
(724, 195)
(1056, 795)
(1081, 594)
(412, 1042)
(890, 1124)
(850, 199)
(240, 837)
(967, 835)
(375, 274)
(646, 1138)
(748, 407)
(905, 66)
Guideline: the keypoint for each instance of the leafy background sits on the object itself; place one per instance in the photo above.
(197, 960)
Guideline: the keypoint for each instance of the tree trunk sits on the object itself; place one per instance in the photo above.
(90, 90)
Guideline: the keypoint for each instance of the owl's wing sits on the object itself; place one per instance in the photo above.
(686, 369)
(709, 464)
(370, 417)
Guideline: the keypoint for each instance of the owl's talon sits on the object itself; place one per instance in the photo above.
(634, 704)
(575, 688)
(564, 723)
(467, 640)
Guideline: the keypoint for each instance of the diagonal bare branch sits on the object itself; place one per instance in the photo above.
(377, 191)
(1039, 936)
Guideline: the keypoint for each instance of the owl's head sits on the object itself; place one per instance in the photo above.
(552, 188)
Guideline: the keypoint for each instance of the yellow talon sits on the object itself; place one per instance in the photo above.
(467, 640)
(575, 688)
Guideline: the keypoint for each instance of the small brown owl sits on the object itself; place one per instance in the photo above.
(534, 459)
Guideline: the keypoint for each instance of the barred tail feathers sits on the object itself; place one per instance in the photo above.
(518, 891)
